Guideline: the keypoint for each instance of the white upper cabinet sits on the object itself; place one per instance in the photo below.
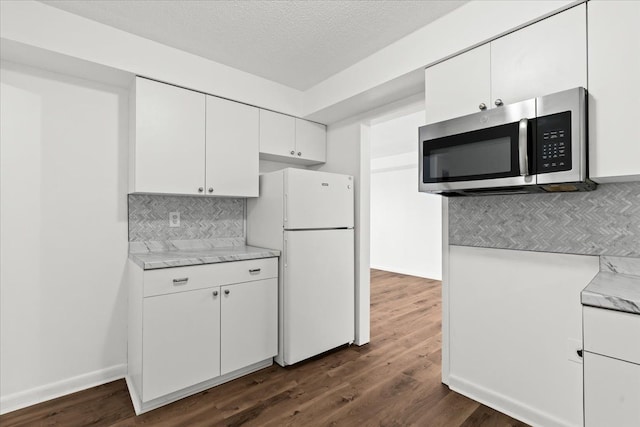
(288, 139)
(614, 90)
(458, 86)
(277, 134)
(543, 58)
(546, 57)
(311, 141)
(186, 142)
(168, 152)
(232, 148)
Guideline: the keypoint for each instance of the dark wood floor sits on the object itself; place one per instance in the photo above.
(393, 381)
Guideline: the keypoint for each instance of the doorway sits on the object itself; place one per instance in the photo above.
(406, 226)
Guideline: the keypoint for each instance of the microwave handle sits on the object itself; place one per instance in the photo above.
(523, 145)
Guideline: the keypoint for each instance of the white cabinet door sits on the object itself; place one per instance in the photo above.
(249, 324)
(288, 139)
(277, 134)
(614, 90)
(611, 392)
(457, 86)
(232, 149)
(546, 57)
(181, 341)
(169, 139)
(311, 141)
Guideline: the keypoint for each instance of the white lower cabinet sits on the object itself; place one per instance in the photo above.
(191, 328)
(611, 392)
(181, 341)
(248, 331)
(611, 368)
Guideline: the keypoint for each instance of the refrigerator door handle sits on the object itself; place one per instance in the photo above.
(286, 209)
(285, 253)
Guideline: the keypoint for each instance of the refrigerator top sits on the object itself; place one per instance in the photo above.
(298, 172)
(317, 200)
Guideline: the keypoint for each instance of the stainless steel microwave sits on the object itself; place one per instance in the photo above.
(538, 145)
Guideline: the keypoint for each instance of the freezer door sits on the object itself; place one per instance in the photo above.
(318, 292)
(317, 200)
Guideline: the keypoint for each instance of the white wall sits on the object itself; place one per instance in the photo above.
(64, 235)
(406, 225)
(266, 166)
(38, 25)
(515, 325)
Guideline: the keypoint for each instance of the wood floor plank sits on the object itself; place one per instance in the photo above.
(392, 381)
(487, 417)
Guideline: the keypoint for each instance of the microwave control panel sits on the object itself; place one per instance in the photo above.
(554, 142)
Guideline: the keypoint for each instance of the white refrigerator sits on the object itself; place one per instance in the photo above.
(308, 215)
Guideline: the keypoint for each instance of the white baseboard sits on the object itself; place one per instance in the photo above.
(515, 409)
(50, 391)
(142, 407)
(405, 271)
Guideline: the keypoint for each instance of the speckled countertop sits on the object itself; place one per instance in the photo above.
(178, 254)
(616, 286)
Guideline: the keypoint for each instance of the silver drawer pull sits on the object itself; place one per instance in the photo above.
(254, 270)
(181, 281)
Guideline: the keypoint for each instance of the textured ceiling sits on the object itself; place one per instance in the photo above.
(296, 43)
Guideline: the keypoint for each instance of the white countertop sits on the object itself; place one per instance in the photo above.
(173, 256)
(616, 286)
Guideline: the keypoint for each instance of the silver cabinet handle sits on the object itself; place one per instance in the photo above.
(498, 102)
(299, 153)
(226, 291)
(482, 106)
(293, 152)
(210, 189)
(254, 270)
(215, 293)
(523, 145)
(200, 189)
(181, 281)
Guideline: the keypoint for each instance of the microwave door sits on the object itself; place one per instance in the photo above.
(479, 150)
(487, 149)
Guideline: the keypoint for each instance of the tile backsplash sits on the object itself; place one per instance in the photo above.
(200, 218)
(601, 222)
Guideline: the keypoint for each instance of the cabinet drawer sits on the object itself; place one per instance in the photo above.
(612, 333)
(178, 279)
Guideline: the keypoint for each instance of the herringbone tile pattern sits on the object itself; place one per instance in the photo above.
(602, 222)
(200, 217)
